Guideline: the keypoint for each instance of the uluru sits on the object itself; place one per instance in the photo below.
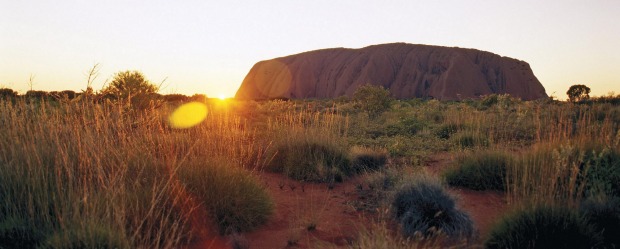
(407, 70)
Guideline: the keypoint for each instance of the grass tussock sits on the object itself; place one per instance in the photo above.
(232, 197)
(423, 207)
(484, 170)
(543, 227)
(366, 159)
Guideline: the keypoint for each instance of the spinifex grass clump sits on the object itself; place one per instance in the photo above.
(367, 159)
(311, 161)
(480, 171)
(233, 198)
(423, 207)
(544, 227)
(604, 215)
(309, 146)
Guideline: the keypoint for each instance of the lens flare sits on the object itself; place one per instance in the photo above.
(188, 115)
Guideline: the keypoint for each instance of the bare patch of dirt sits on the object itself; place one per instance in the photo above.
(307, 214)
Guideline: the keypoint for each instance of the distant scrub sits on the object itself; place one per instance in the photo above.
(480, 171)
(7, 93)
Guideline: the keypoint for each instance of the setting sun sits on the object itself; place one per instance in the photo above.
(222, 97)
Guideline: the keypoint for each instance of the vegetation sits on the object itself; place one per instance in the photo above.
(130, 83)
(372, 99)
(543, 227)
(423, 207)
(577, 93)
(484, 170)
(95, 169)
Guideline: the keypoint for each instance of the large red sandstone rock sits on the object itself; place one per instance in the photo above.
(407, 70)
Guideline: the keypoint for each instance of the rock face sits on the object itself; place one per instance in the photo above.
(407, 70)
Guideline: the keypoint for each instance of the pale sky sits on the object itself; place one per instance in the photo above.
(209, 46)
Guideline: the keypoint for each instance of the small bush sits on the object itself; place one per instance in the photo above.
(93, 236)
(603, 170)
(311, 161)
(489, 100)
(469, 140)
(447, 130)
(384, 181)
(423, 207)
(372, 99)
(480, 171)
(543, 227)
(604, 214)
(18, 233)
(232, 196)
(365, 159)
(7, 93)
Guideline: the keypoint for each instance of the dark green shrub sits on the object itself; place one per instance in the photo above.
(604, 214)
(372, 99)
(603, 171)
(234, 199)
(18, 233)
(130, 83)
(366, 159)
(176, 98)
(445, 131)
(411, 126)
(311, 161)
(489, 100)
(469, 140)
(543, 227)
(37, 94)
(422, 206)
(480, 171)
(94, 236)
(7, 93)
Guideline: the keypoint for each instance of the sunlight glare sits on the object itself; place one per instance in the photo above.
(188, 115)
(222, 97)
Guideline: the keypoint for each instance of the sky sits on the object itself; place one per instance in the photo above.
(209, 46)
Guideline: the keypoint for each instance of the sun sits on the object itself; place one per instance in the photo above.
(222, 97)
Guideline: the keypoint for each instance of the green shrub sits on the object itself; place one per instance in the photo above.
(422, 206)
(480, 171)
(92, 236)
(18, 233)
(366, 159)
(372, 99)
(604, 214)
(489, 100)
(469, 140)
(543, 227)
(234, 199)
(603, 171)
(445, 131)
(311, 161)
(7, 93)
